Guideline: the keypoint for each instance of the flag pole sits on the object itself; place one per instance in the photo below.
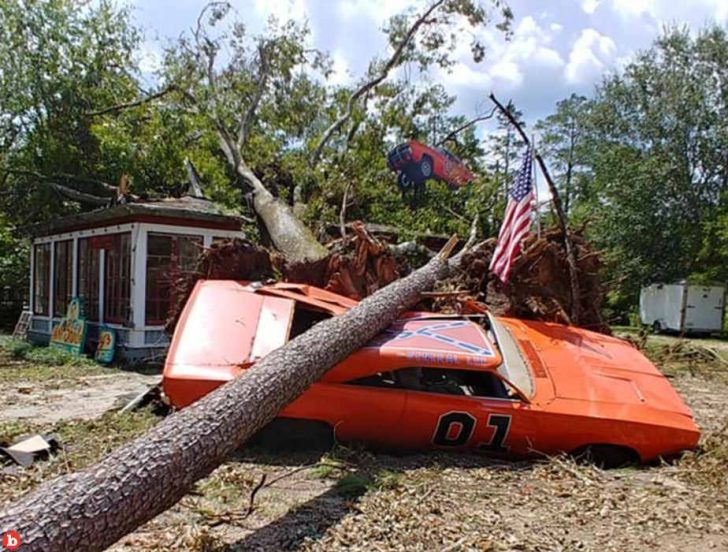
(535, 188)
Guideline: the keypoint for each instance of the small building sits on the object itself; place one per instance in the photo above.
(122, 262)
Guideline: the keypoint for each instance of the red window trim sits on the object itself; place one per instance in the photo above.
(62, 294)
(41, 281)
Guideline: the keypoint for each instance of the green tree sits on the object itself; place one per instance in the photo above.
(653, 148)
(561, 141)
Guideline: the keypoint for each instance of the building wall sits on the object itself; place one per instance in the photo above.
(136, 338)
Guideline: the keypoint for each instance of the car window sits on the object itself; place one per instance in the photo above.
(449, 154)
(513, 368)
(445, 381)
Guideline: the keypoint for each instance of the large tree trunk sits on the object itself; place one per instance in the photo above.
(93, 508)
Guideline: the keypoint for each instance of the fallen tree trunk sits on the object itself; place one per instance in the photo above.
(93, 508)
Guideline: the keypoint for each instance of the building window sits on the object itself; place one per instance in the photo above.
(169, 258)
(117, 280)
(88, 277)
(62, 276)
(41, 278)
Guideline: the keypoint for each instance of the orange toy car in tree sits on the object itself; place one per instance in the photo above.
(490, 384)
(416, 162)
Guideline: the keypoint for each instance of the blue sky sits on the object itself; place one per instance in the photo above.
(557, 47)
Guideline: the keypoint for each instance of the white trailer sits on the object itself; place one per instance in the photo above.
(683, 307)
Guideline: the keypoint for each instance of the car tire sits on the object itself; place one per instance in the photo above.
(426, 167)
(607, 456)
(404, 181)
(656, 327)
(286, 434)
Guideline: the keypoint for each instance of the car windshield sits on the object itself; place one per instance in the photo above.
(513, 368)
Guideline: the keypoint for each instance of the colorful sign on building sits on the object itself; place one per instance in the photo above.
(106, 346)
(70, 333)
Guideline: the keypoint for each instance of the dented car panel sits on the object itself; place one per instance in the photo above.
(507, 387)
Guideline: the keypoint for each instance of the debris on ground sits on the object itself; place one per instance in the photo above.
(31, 449)
(356, 266)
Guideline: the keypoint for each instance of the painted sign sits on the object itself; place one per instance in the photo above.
(106, 345)
(70, 333)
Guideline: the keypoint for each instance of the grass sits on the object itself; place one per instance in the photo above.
(23, 361)
(82, 441)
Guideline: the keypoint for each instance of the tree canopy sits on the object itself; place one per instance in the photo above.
(643, 160)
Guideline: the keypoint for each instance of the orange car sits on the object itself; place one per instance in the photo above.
(492, 384)
(416, 162)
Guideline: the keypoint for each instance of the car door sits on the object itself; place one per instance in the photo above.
(358, 412)
(462, 422)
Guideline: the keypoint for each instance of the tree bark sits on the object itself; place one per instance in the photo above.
(93, 508)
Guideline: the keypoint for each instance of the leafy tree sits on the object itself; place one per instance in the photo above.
(652, 151)
(561, 141)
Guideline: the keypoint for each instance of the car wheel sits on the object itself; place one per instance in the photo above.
(404, 181)
(656, 327)
(607, 456)
(426, 167)
(285, 434)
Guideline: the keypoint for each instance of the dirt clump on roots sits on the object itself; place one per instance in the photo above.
(356, 266)
(360, 264)
(539, 285)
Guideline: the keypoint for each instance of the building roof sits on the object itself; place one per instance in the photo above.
(183, 211)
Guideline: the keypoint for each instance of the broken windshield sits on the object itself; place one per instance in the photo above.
(513, 368)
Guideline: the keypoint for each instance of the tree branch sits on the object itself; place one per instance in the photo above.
(470, 123)
(128, 105)
(393, 61)
(76, 195)
(61, 176)
(245, 123)
(556, 198)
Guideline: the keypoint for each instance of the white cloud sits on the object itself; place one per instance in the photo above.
(590, 55)
(150, 59)
(589, 6)
(341, 72)
(508, 73)
(281, 9)
(634, 8)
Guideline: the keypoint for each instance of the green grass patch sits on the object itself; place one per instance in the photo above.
(22, 361)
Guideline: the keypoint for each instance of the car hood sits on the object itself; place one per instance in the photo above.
(589, 366)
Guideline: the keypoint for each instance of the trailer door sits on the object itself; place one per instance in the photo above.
(704, 309)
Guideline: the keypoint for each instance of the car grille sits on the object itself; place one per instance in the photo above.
(399, 156)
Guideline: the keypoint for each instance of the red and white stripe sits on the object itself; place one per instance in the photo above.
(515, 227)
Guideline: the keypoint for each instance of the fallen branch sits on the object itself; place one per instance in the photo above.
(464, 126)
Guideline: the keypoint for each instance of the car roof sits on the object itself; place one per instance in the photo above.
(455, 343)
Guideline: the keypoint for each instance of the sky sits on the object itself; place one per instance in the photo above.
(557, 46)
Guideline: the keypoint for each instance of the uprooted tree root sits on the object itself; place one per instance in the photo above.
(538, 288)
(355, 267)
(359, 264)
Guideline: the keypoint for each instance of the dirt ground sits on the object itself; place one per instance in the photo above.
(357, 500)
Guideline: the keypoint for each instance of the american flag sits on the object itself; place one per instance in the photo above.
(517, 221)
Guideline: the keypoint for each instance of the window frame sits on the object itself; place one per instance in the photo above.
(160, 275)
(62, 294)
(42, 278)
(88, 276)
(117, 278)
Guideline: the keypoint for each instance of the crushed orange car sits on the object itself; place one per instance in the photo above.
(482, 383)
